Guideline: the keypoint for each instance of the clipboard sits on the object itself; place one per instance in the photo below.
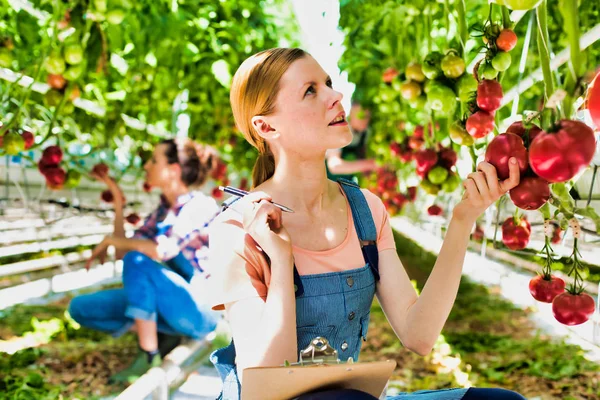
(321, 371)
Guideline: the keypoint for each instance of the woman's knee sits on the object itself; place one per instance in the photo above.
(134, 258)
(492, 394)
(76, 309)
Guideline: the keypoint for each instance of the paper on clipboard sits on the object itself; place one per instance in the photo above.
(287, 382)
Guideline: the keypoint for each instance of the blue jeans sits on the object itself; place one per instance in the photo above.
(151, 292)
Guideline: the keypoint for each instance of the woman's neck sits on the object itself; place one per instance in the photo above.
(173, 191)
(301, 183)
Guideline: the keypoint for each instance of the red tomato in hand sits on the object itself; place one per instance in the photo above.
(519, 129)
(480, 124)
(545, 289)
(560, 155)
(501, 149)
(100, 169)
(531, 193)
(489, 95)
(573, 309)
(516, 237)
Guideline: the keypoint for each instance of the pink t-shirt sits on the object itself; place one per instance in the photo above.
(234, 280)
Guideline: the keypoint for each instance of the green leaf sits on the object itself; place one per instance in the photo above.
(591, 213)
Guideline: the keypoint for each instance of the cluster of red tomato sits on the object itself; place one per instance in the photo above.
(48, 166)
(542, 157)
(386, 187)
(568, 308)
(14, 142)
(219, 174)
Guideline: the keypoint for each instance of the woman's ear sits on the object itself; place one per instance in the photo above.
(262, 126)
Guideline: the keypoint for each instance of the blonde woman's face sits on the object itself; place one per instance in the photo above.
(309, 115)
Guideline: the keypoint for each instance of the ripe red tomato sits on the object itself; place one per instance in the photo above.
(559, 156)
(56, 81)
(447, 158)
(55, 176)
(100, 169)
(573, 309)
(593, 100)
(501, 149)
(435, 210)
(418, 133)
(133, 218)
(489, 95)
(415, 143)
(519, 129)
(217, 194)
(556, 238)
(412, 193)
(506, 40)
(389, 74)
(480, 124)
(52, 155)
(425, 159)
(546, 288)
(531, 193)
(516, 237)
(399, 200)
(28, 138)
(107, 196)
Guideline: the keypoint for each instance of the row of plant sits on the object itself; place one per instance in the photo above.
(433, 78)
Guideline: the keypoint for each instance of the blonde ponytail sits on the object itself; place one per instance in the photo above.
(254, 90)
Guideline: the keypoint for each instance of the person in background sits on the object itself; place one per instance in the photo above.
(286, 278)
(352, 160)
(164, 262)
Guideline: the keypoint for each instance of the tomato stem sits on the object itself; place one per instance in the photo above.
(542, 37)
(577, 286)
(462, 26)
(506, 23)
(547, 269)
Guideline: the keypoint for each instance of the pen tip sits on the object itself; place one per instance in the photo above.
(221, 188)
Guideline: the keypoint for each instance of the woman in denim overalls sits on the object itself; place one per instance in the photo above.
(284, 104)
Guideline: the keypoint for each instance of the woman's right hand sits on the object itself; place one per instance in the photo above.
(263, 221)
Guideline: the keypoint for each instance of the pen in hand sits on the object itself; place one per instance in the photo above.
(242, 193)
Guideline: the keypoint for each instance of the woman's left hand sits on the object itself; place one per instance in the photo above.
(99, 252)
(482, 189)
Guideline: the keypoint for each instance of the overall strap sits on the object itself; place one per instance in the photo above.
(364, 223)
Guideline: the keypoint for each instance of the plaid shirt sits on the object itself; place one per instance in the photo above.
(181, 228)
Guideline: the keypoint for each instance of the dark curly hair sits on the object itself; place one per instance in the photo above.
(196, 160)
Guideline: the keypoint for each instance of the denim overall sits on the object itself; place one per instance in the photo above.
(334, 305)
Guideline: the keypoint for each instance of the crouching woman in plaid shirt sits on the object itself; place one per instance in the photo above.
(163, 262)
